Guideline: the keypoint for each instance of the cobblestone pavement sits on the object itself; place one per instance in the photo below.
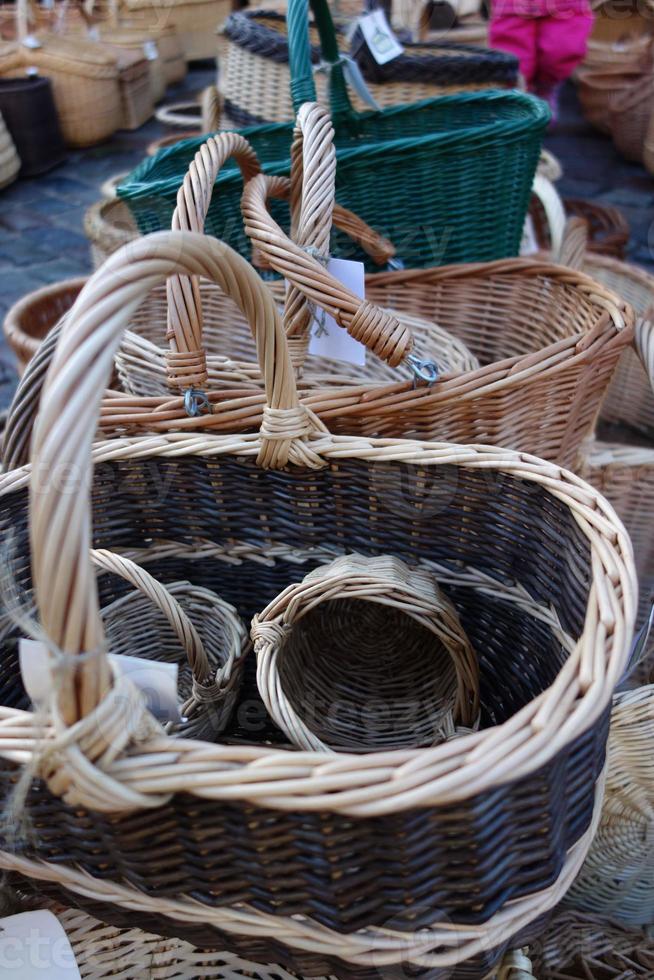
(41, 220)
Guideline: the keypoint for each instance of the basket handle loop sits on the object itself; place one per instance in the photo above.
(186, 360)
(303, 88)
(60, 514)
(165, 601)
(380, 331)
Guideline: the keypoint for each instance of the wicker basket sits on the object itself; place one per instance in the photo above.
(365, 654)
(184, 625)
(144, 44)
(648, 148)
(9, 161)
(108, 225)
(32, 317)
(28, 108)
(505, 814)
(256, 80)
(169, 47)
(597, 91)
(629, 117)
(135, 88)
(84, 81)
(607, 229)
(195, 21)
(576, 946)
(616, 879)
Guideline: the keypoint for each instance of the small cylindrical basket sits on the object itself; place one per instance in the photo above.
(29, 320)
(365, 654)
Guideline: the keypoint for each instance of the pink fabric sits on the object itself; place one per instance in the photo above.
(548, 48)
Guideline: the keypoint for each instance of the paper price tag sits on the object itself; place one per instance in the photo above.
(157, 681)
(34, 945)
(383, 44)
(93, 33)
(31, 42)
(327, 338)
(150, 50)
(529, 243)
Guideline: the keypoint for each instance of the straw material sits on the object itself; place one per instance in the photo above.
(616, 879)
(317, 834)
(32, 317)
(9, 161)
(117, 38)
(629, 116)
(195, 21)
(587, 947)
(607, 230)
(108, 225)
(169, 47)
(256, 79)
(185, 625)
(599, 88)
(84, 79)
(364, 655)
(135, 88)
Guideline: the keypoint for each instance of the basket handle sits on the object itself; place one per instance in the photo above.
(186, 361)
(60, 514)
(303, 88)
(165, 601)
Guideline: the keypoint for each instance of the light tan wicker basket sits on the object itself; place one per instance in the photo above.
(135, 88)
(9, 160)
(84, 80)
(365, 654)
(144, 43)
(195, 21)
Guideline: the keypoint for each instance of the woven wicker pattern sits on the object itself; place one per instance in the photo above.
(9, 161)
(257, 79)
(616, 879)
(32, 317)
(629, 116)
(586, 947)
(169, 48)
(607, 231)
(135, 89)
(365, 654)
(293, 491)
(598, 90)
(85, 85)
(195, 21)
(133, 40)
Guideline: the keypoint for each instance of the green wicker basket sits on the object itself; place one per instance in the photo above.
(447, 179)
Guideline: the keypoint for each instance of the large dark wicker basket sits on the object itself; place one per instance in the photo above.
(249, 835)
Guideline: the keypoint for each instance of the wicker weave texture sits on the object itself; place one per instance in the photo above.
(9, 160)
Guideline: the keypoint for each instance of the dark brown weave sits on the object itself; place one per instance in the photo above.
(461, 862)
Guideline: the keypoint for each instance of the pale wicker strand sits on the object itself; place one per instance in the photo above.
(516, 965)
(313, 176)
(193, 198)
(380, 331)
(164, 600)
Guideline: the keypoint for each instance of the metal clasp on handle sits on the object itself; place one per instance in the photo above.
(196, 403)
(423, 370)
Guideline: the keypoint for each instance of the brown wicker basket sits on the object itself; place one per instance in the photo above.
(648, 148)
(365, 654)
(629, 117)
(108, 225)
(195, 21)
(608, 230)
(145, 45)
(9, 160)
(576, 946)
(597, 89)
(135, 88)
(31, 318)
(330, 863)
(84, 80)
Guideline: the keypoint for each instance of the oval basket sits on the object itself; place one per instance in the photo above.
(338, 840)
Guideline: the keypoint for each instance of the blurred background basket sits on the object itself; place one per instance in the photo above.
(9, 160)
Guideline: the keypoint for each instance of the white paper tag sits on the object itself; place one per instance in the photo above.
(529, 244)
(327, 338)
(29, 41)
(383, 44)
(157, 681)
(34, 945)
(93, 33)
(150, 50)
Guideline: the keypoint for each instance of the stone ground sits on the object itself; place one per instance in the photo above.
(41, 220)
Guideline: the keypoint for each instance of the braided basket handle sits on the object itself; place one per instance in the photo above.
(165, 601)
(186, 360)
(380, 331)
(60, 514)
(516, 965)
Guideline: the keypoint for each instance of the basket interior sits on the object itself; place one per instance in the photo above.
(508, 528)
